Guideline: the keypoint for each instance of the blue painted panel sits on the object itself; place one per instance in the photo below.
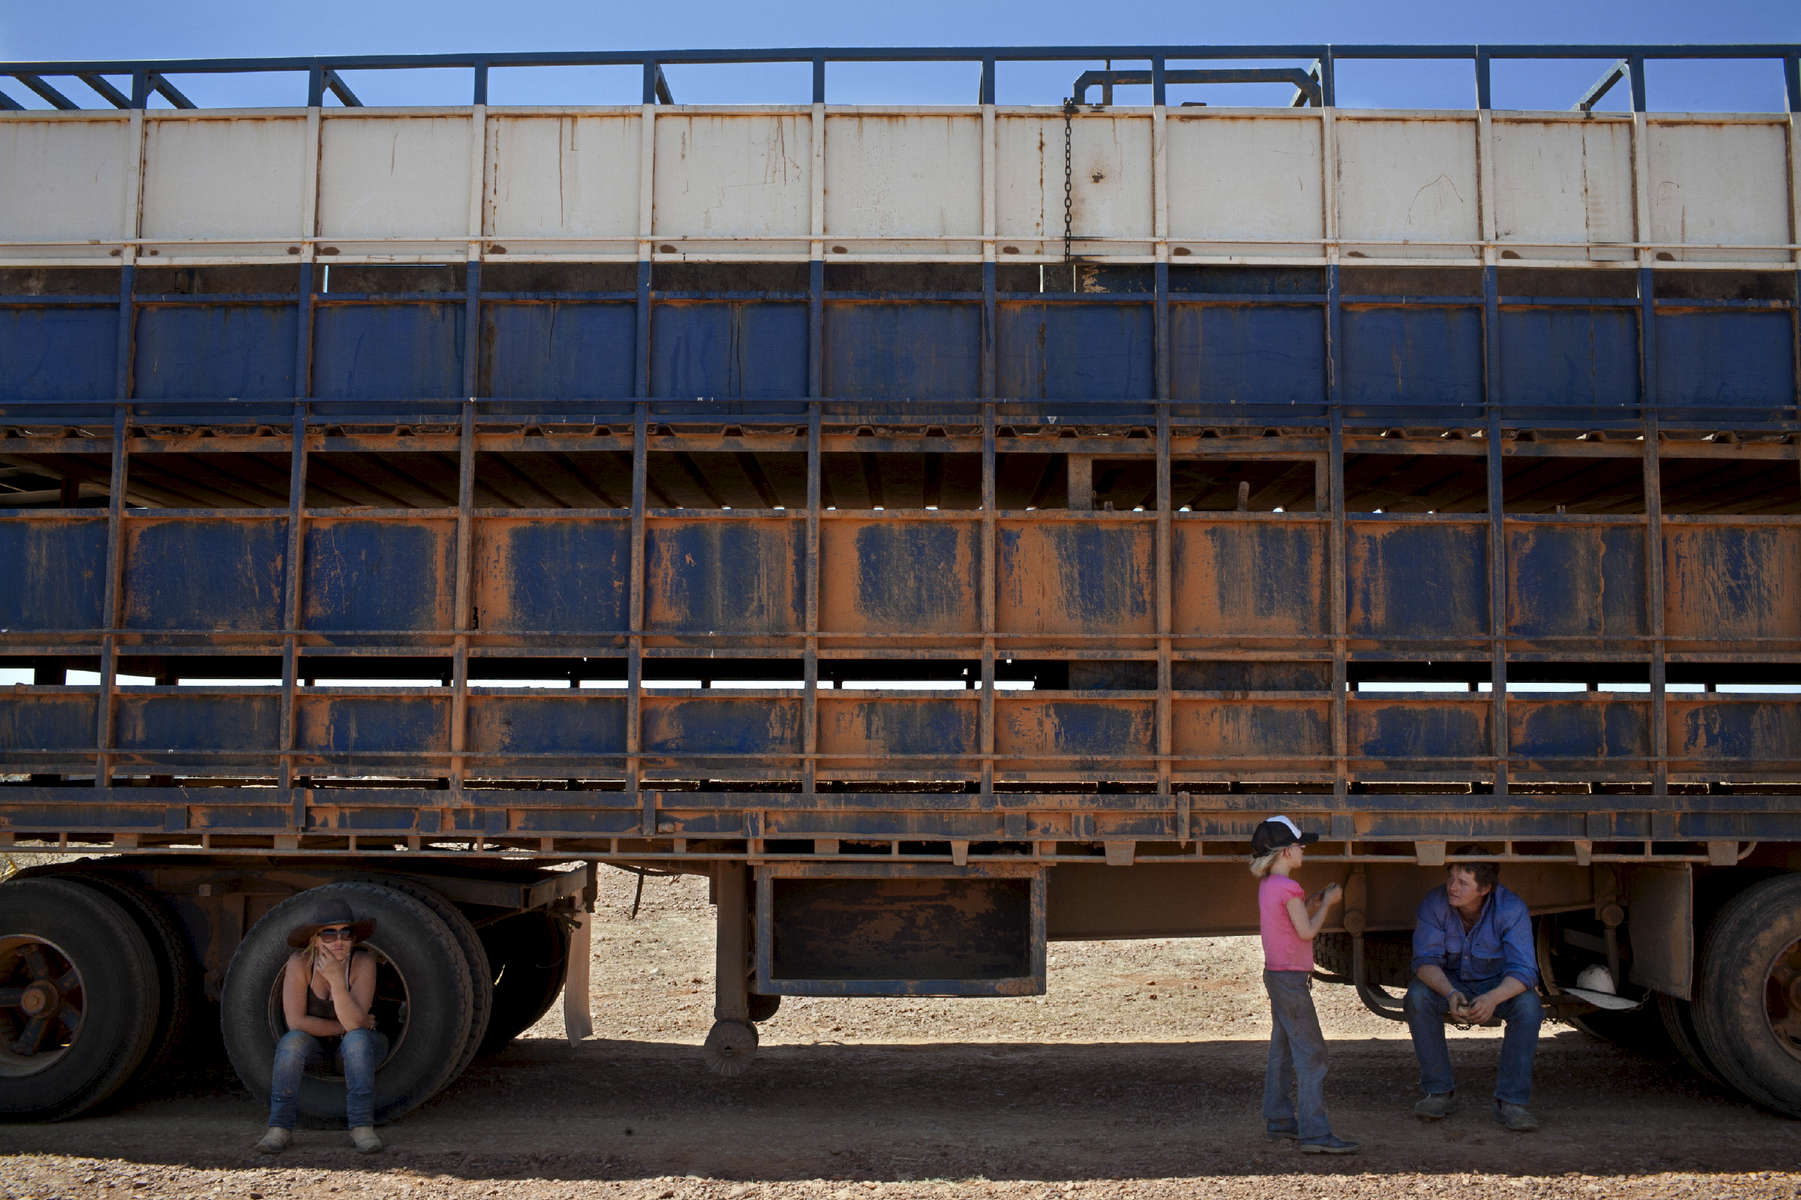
(1097, 730)
(1247, 355)
(555, 723)
(214, 351)
(55, 354)
(238, 723)
(737, 349)
(1075, 576)
(565, 349)
(1069, 350)
(722, 726)
(908, 577)
(380, 351)
(906, 727)
(213, 575)
(1743, 731)
(1569, 357)
(1576, 581)
(56, 573)
(1585, 731)
(1416, 581)
(717, 575)
(891, 351)
(373, 724)
(1429, 356)
(376, 575)
(553, 576)
(1413, 730)
(1707, 359)
(54, 722)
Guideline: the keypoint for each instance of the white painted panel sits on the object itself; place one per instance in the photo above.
(1407, 179)
(1256, 179)
(237, 178)
(912, 175)
(394, 177)
(1564, 181)
(1110, 180)
(562, 176)
(1719, 183)
(722, 176)
(63, 178)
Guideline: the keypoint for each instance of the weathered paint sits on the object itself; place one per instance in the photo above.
(204, 574)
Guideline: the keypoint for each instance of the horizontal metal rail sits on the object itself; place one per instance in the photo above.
(324, 73)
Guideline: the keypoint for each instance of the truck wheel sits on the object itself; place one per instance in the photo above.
(423, 1002)
(481, 996)
(78, 998)
(763, 1006)
(1748, 1012)
(1679, 1024)
(528, 953)
(177, 971)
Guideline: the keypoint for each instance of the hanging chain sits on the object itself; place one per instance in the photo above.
(1069, 208)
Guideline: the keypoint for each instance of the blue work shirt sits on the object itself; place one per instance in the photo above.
(1499, 943)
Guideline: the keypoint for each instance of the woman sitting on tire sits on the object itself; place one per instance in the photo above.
(326, 990)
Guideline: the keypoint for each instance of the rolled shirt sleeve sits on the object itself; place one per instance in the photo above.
(1429, 931)
(1514, 922)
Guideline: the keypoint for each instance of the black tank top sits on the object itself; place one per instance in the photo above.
(321, 1006)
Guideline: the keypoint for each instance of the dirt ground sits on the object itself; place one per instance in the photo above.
(1138, 1076)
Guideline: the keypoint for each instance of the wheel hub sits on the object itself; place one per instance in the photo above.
(41, 997)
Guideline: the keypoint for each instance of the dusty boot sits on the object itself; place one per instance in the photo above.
(364, 1139)
(275, 1139)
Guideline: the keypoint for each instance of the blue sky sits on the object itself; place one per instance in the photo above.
(212, 28)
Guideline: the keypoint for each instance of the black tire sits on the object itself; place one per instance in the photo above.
(1387, 956)
(528, 953)
(1678, 1018)
(177, 970)
(764, 1005)
(423, 1002)
(1747, 1015)
(481, 995)
(90, 965)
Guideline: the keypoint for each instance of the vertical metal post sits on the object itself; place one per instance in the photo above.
(463, 620)
(472, 326)
(1165, 555)
(1654, 606)
(1635, 71)
(634, 662)
(115, 585)
(1328, 84)
(1159, 83)
(641, 362)
(816, 328)
(1160, 331)
(290, 610)
(480, 91)
(986, 92)
(989, 305)
(1484, 76)
(1337, 597)
(990, 569)
(810, 665)
(1501, 738)
(819, 85)
(731, 945)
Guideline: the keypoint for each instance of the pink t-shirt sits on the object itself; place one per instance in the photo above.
(1283, 948)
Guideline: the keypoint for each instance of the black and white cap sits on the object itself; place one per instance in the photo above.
(1276, 832)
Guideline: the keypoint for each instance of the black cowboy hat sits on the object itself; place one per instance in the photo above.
(328, 910)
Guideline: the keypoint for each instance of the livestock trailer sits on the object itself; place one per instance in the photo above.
(948, 527)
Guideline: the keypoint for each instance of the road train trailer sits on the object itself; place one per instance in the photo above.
(945, 527)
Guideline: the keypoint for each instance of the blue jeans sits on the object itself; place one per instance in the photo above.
(1426, 1011)
(357, 1053)
(1297, 1056)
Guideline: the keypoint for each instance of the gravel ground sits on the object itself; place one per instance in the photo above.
(1138, 1076)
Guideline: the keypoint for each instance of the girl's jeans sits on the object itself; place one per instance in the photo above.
(357, 1053)
(1297, 1057)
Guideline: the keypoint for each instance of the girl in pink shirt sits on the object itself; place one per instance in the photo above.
(1297, 1049)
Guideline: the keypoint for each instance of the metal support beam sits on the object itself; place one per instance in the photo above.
(36, 83)
(1600, 87)
(1306, 82)
(104, 89)
(334, 83)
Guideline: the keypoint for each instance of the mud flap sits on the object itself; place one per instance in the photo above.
(578, 1023)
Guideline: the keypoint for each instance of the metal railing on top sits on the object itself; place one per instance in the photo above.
(1310, 67)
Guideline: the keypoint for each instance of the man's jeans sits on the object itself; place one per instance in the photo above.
(1297, 1056)
(358, 1052)
(1426, 1011)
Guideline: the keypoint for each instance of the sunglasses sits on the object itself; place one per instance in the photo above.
(339, 933)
